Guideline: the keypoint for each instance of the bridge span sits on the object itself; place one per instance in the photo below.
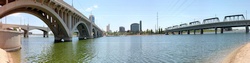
(211, 23)
(60, 17)
(26, 29)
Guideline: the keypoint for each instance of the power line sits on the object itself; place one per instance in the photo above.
(185, 8)
(179, 8)
(173, 6)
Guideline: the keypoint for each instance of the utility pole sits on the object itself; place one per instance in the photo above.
(72, 4)
(246, 14)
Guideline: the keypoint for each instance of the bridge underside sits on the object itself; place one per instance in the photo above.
(59, 19)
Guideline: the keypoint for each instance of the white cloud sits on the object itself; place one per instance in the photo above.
(95, 6)
(91, 8)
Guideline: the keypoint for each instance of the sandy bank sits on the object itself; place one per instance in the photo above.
(240, 55)
(5, 57)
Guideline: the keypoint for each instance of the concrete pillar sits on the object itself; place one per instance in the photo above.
(90, 31)
(247, 29)
(179, 32)
(201, 31)
(194, 31)
(26, 34)
(7, 1)
(188, 32)
(95, 34)
(70, 21)
(77, 34)
(45, 34)
(215, 30)
(221, 30)
(166, 33)
(173, 33)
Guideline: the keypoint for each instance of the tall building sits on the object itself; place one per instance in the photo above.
(134, 28)
(92, 18)
(121, 29)
(108, 28)
(140, 26)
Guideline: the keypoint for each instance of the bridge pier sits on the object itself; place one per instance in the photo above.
(194, 31)
(45, 34)
(247, 29)
(215, 31)
(166, 33)
(173, 33)
(221, 31)
(201, 31)
(188, 32)
(26, 34)
(179, 32)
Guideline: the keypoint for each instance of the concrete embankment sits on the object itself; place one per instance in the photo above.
(5, 57)
(240, 55)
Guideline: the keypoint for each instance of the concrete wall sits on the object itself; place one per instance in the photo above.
(10, 40)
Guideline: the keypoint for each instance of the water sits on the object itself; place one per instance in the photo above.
(207, 48)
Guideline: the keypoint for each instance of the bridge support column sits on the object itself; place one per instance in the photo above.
(45, 34)
(173, 33)
(194, 31)
(201, 31)
(166, 33)
(221, 30)
(179, 32)
(64, 39)
(26, 34)
(247, 29)
(188, 32)
(215, 30)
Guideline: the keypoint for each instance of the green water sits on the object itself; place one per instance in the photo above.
(132, 49)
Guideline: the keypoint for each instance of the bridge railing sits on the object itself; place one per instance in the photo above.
(194, 23)
(73, 10)
(234, 17)
(211, 20)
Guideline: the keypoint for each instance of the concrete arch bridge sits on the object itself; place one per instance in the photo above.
(60, 17)
(27, 28)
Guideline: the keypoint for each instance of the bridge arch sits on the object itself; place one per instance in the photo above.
(44, 12)
(83, 30)
(26, 29)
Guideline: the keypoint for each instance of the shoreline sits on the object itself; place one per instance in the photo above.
(239, 55)
(5, 57)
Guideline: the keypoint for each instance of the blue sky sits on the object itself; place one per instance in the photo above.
(125, 12)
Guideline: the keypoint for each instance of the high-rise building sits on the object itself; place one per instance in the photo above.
(108, 28)
(140, 26)
(134, 28)
(121, 29)
(92, 18)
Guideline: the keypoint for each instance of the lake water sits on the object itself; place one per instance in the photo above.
(204, 48)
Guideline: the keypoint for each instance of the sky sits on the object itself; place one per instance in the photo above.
(125, 12)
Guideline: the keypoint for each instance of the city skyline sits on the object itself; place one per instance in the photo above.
(170, 12)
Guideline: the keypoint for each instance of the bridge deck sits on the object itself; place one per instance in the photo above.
(212, 25)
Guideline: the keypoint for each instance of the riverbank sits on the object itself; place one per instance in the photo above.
(240, 55)
(5, 57)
